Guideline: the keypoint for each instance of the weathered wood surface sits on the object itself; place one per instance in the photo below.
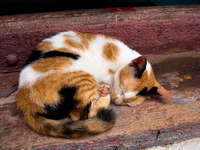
(148, 30)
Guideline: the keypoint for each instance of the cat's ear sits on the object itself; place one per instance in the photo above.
(139, 65)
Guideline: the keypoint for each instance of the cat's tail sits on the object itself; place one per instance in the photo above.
(103, 121)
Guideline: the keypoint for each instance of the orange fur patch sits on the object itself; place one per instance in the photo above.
(75, 115)
(111, 71)
(85, 38)
(101, 102)
(45, 46)
(48, 46)
(132, 84)
(135, 100)
(109, 37)
(126, 78)
(45, 90)
(24, 101)
(147, 80)
(74, 44)
(50, 64)
(97, 126)
(110, 51)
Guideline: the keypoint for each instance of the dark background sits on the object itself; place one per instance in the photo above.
(8, 7)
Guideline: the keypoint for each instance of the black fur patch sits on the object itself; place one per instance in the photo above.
(69, 130)
(48, 128)
(59, 54)
(140, 70)
(107, 115)
(62, 109)
(73, 127)
(143, 92)
(36, 55)
(152, 91)
(84, 114)
(139, 65)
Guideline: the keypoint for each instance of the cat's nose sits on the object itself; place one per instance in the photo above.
(165, 94)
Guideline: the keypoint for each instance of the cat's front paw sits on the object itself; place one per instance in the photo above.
(117, 100)
(103, 90)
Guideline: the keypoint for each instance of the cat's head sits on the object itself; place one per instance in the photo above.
(135, 81)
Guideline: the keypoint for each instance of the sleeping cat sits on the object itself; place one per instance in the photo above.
(69, 80)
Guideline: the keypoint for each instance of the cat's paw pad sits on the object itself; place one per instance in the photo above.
(103, 90)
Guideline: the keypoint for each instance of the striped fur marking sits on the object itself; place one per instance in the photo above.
(45, 46)
(52, 64)
(59, 54)
(152, 91)
(46, 61)
(36, 55)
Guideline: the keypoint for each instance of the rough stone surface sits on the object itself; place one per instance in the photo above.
(193, 144)
(152, 30)
(148, 30)
(150, 124)
(8, 83)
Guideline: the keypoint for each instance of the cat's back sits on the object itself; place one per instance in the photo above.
(79, 42)
(94, 53)
(70, 41)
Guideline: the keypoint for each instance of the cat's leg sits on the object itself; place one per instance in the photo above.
(103, 100)
(90, 95)
(104, 95)
(134, 101)
(103, 89)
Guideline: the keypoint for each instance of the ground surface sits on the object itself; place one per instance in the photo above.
(193, 144)
(149, 124)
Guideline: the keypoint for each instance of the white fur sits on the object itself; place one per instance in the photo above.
(58, 40)
(130, 94)
(28, 75)
(91, 61)
(148, 67)
(116, 83)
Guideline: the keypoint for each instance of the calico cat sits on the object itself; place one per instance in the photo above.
(69, 80)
